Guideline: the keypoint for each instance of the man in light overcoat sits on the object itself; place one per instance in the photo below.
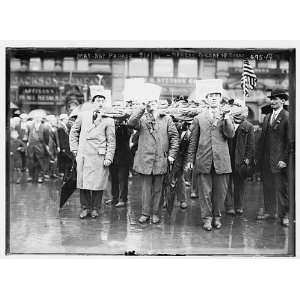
(92, 140)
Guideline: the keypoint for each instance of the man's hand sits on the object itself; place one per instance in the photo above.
(171, 160)
(247, 161)
(189, 166)
(281, 164)
(107, 162)
(58, 149)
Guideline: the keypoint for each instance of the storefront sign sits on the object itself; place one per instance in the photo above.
(39, 95)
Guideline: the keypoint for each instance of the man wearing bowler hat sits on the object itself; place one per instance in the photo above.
(273, 154)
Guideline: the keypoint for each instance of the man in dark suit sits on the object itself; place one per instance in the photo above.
(119, 169)
(273, 153)
(241, 149)
(65, 156)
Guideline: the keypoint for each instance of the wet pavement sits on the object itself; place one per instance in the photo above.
(37, 226)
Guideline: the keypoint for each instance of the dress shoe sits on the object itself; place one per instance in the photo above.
(29, 179)
(194, 195)
(94, 213)
(239, 211)
(207, 225)
(187, 184)
(84, 213)
(230, 212)
(155, 219)
(111, 202)
(40, 180)
(120, 204)
(217, 222)
(285, 221)
(18, 180)
(183, 205)
(144, 219)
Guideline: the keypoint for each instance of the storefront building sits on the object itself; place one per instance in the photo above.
(39, 82)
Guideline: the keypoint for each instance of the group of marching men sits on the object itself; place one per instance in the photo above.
(218, 147)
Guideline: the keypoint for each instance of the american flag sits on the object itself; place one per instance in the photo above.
(248, 80)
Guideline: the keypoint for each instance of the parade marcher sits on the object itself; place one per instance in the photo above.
(38, 150)
(92, 141)
(208, 152)
(119, 169)
(241, 149)
(273, 155)
(17, 147)
(157, 146)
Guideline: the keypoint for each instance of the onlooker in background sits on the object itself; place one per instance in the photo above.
(64, 157)
(273, 156)
(38, 150)
(241, 149)
(23, 133)
(17, 147)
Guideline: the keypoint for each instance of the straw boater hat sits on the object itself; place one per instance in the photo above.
(208, 86)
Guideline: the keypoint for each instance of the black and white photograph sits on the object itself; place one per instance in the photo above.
(150, 151)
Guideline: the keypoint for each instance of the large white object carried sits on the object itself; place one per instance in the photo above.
(208, 86)
(137, 90)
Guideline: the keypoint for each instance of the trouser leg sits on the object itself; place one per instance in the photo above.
(85, 199)
(195, 185)
(96, 199)
(180, 188)
(156, 193)
(269, 187)
(282, 192)
(229, 200)
(114, 176)
(146, 181)
(123, 182)
(219, 191)
(205, 191)
(239, 191)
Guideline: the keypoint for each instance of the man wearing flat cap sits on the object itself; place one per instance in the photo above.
(273, 154)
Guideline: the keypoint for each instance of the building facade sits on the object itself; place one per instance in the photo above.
(39, 82)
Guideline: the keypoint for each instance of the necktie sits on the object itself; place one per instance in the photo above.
(273, 117)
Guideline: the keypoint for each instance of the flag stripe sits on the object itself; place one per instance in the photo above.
(248, 80)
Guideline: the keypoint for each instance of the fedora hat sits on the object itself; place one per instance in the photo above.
(279, 93)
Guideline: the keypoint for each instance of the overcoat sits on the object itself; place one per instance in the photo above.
(244, 147)
(276, 148)
(156, 142)
(208, 143)
(94, 142)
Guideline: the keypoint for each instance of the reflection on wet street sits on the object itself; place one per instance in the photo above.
(37, 226)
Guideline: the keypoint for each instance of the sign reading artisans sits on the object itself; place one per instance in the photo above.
(38, 95)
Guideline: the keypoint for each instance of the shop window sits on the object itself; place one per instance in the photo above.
(68, 64)
(163, 67)
(272, 64)
(100, 66)
(15, 64)
(49, 64)
(187, 68)
(284, 65)
(82, 65)
(35, 64)
(139, 67)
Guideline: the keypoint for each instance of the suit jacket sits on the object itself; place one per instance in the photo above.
(208, 144)
(123, 155)
(63, 138)
(274, 142)
(243, 144)
(156, 142)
